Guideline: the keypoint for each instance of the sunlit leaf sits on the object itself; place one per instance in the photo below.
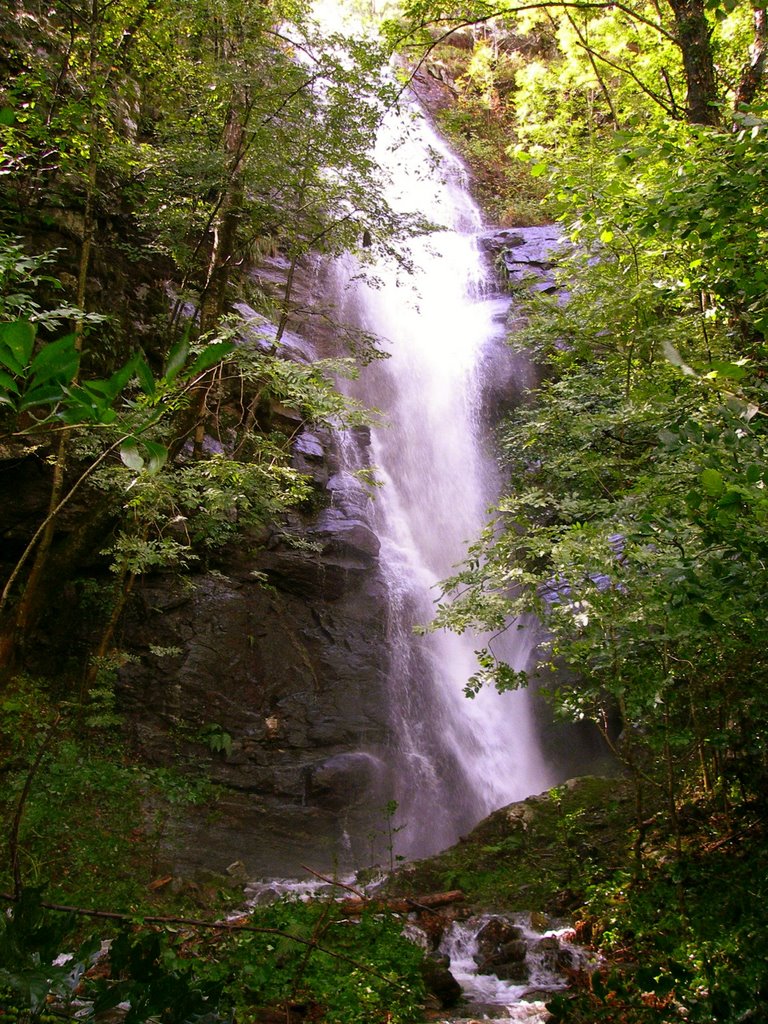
(712, 482)
(210, 356)
(129, 453)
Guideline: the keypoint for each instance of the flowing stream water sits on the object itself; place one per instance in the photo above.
(455, 759)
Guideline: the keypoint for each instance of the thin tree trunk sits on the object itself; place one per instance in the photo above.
(600, 80)
(693, 35)
(754, 70)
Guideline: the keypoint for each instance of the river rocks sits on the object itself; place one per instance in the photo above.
(501, 950)
(439, 981)
(499, 242)
(551, 955)
(494, 934)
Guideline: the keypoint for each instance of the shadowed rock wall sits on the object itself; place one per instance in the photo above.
(280, 657)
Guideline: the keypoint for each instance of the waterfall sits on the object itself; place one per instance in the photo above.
(453, 759)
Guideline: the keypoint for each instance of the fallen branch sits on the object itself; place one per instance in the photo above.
(403, 904)
(336, 882)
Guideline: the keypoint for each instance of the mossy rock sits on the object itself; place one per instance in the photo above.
(538, 854)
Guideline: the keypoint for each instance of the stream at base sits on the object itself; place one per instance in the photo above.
(508, 966)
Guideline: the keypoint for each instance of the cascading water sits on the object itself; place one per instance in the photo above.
(455, 759)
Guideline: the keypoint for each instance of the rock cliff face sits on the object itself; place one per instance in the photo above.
(278, 658)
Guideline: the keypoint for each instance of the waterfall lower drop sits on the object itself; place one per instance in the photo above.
(456, 759)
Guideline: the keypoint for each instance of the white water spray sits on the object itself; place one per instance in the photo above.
(456, 759)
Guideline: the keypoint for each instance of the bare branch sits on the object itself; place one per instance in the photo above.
(221, 926)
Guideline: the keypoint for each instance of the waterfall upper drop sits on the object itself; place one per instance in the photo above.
(452, 760)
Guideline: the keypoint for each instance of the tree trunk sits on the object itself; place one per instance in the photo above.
(753, 71)
(694, 39)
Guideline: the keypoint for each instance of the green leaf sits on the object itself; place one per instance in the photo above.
(129, 453)
(731, 371)
(57, 361)
(145, 376)
(120, 378)
(606, 235)
(176, 358)
(7, 382)
(7, 358)
(712, 482)
(45, 394)
(538, 169)
(97, 388)
(210, 356)
(19, 337)
(693, 499)
(7, 117)
(754, 473)
(732, 496)
(158, 456)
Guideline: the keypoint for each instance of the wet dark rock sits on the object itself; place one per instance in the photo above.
(439, 981)
(514, 952)
(309, 446)
(311, 455)
(525, 256)
(497, 242)
(502, 950)
(345, 535)
(494, 935)
(293, 673)
(345, 779)
(552, 955)
(515, 972)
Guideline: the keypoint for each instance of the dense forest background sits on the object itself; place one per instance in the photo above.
(152, 154)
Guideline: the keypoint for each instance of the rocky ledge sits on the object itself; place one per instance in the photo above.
(535, 855)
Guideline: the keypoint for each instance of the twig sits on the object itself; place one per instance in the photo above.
(336, 882)
(13, 840)
(733, 836)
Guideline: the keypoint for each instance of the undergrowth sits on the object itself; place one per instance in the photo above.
(684, 941)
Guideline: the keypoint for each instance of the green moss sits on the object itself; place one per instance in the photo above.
(540, 854)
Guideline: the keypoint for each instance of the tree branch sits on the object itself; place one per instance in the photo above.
(225, 926)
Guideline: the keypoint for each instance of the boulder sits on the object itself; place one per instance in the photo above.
(439, 981)
(494, 935)
(293, 673)
(496, 242)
